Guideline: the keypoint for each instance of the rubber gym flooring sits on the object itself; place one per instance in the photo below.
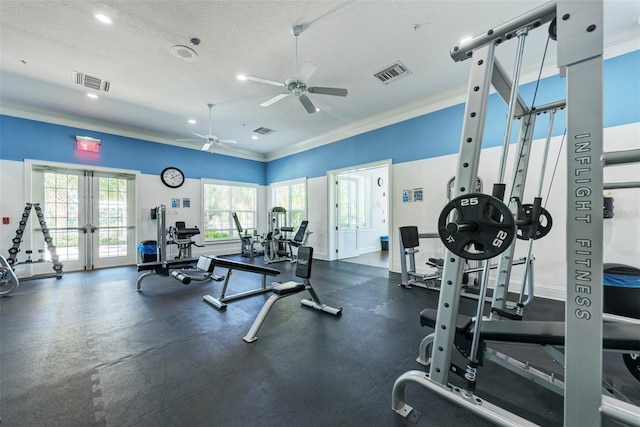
(88, 350)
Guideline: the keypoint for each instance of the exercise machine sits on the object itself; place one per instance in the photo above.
(180, 267)
(549, 336)
(247, 241)
(221, 302)
(182, 237)
(8, 280)
(409, 243)
(577, 27)
(303, 271)
(276, 242)
(277, 245)
(17, 241)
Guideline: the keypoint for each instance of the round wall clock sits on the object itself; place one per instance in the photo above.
(172, 177)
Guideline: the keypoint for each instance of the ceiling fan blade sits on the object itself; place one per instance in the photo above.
(269, 82)
(308, 105)
(274, 99)
(328, 91)
(199, 136)
(306, 72)
(227, 141)
(206, 146)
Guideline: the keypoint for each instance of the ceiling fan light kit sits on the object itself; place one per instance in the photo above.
(298, 85)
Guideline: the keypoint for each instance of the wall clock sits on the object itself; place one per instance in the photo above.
(172, 177)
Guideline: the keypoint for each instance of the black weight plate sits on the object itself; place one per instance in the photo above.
(476, 226)
(544, 224)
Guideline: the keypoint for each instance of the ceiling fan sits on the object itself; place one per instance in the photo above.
(298, 85)
(208, 140)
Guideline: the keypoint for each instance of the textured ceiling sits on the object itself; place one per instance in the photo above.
(153, 92)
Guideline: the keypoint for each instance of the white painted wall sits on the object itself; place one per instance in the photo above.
(317, 214)
(621, 233)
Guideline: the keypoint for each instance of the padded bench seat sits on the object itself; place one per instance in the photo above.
(288, 288)
(428, 318)
(616, 336)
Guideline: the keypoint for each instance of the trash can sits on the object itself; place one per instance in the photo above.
(384, 243)
(148, 250)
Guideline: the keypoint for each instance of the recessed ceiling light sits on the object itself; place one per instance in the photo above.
(103, 18)
(92, 95)
(254, 137)
(317, 109)
(241, 77)
(192, 121)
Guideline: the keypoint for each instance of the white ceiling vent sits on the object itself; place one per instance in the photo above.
(392, 73)
(90, 81)
(264, 131)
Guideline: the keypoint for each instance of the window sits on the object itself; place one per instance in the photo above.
(61, 212)
(291, 195)
(220, 201)
(364, 202)
(112, 216)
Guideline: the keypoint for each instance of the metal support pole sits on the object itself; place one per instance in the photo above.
(466, 176)
(522, 34)
(580, 53)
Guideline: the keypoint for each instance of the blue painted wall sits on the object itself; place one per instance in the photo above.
(438, 133)
(28, 139)
(431, 135)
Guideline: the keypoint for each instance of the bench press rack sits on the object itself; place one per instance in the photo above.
(578, 29)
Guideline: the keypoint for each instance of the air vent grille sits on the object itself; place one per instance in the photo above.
(90, 81)
(264, 131)
(392, 73)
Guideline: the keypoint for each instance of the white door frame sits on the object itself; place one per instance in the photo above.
(29, 165)
(331, 201)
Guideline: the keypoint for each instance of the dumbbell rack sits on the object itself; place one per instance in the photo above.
(13, 252)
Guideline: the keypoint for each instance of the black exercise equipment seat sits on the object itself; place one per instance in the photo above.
(185, 233)
(243, 266)
(615, 336)
(288, 288)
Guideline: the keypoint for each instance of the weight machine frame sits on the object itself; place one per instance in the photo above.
(580, 49)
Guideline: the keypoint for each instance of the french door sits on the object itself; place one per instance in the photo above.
(90, 216)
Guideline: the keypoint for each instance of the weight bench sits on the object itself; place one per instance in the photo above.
(230, 265)
(303, 271)
(550, 335)
(615, 336)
